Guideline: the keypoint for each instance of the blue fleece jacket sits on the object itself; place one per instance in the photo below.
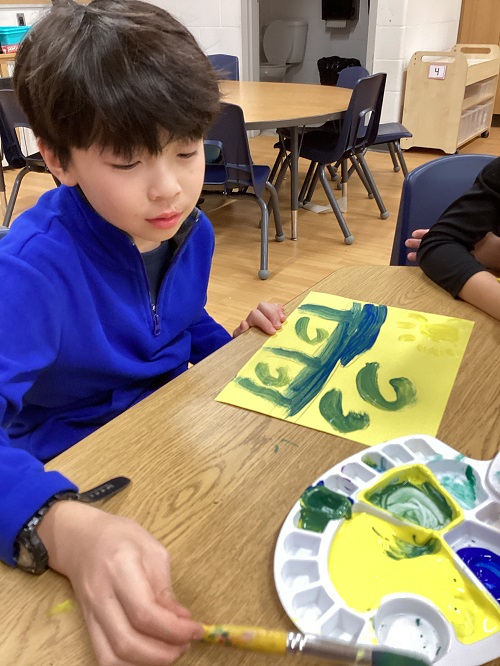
(79, 339)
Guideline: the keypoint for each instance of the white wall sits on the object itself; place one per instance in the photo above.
(216, 24)
(398, 29)
(348, 42)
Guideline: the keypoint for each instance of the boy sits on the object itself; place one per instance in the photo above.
(103, 292)
(462, 248)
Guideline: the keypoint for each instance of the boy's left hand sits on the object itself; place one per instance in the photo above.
(269, 317)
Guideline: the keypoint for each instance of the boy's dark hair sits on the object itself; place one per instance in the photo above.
(121, 74)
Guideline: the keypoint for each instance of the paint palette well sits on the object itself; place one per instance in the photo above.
(398, 545)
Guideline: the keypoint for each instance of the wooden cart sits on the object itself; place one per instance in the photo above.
(450, 95)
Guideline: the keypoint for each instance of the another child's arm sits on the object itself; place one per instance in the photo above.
(483, 291)
(121, 577)
(487, 250)
(413, 243)
(269, 317)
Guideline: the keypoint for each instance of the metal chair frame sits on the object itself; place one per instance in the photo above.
(236, 173)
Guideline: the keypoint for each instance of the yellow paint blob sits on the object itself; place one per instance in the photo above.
(440, 332)
(363, 572)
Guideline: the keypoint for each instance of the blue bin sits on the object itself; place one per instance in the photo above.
(12, 34)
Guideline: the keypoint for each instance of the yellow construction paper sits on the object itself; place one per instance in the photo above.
(397, 383)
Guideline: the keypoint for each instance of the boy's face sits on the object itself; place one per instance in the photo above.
(148, 197)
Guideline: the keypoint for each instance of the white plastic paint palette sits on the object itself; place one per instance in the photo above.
(380, 576)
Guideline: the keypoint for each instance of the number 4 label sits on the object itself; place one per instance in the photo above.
(437, 72)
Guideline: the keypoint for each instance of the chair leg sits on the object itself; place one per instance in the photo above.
(384, 213)
(280, 236)
(344, 177)
(394, 158)
(277, 164)
(13, 196)
(333, 172)
(282, 173)
(402, 161)
(312, 186)
(355, 167)
(307, 181)
(264, 230)
(348, 238)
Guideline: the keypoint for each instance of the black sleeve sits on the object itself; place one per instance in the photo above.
(445, 252)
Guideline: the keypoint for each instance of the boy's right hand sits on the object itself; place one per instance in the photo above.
(414, 243)
(121, 577)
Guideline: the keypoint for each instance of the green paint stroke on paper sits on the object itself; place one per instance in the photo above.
(368, 389)
(330, 407)
(301, 331)
(357, 331)
(461, 487)
(319, 505)
(423, 505)
(264, 374)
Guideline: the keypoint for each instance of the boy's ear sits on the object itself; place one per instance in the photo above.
(53, 163)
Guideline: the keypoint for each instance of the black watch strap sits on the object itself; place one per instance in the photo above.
(30, 552)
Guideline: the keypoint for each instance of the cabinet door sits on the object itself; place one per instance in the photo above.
(480, 24)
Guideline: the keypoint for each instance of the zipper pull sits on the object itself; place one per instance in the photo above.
(156, 321)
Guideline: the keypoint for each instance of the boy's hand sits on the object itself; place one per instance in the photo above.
(414, 243)
(269, 317)
(121, 577)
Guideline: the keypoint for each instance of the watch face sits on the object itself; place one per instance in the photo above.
(31, 555)
(24, 559)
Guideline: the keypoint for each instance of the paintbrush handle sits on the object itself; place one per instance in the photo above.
(335, 651)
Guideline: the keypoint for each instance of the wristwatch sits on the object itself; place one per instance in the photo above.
(30, 553)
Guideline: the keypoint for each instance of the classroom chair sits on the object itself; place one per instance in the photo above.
(326, 146)
(388, 133)
(227, 66)
(11, 118)
(236, 174)
(427, 192)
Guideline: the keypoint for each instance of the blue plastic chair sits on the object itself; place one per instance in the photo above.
(388, 133)
(326, 146)
(427, 192)
(235, 173)
(349, 76)
(227, 66)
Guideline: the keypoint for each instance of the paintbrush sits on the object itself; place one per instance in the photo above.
(258, 639)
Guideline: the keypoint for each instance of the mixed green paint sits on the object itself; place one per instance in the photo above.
(319, 505)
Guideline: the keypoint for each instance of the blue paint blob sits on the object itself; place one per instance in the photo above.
(485, 565)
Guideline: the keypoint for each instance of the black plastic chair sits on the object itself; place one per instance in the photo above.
(327, 146)
(388, 133)
(235, 173)
(427, 192)
(227, 66)
(11, 118)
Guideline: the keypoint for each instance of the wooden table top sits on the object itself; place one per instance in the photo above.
(207, 482)
(268, 105)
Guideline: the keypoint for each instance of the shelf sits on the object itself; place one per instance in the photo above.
(450, 95)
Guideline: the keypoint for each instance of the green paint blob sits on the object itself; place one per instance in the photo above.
(301, 331)
(264, 374)
(330, 407)
(462, 487)
(403, 550)
(319, 505)
(368, 389)
(422, 505)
